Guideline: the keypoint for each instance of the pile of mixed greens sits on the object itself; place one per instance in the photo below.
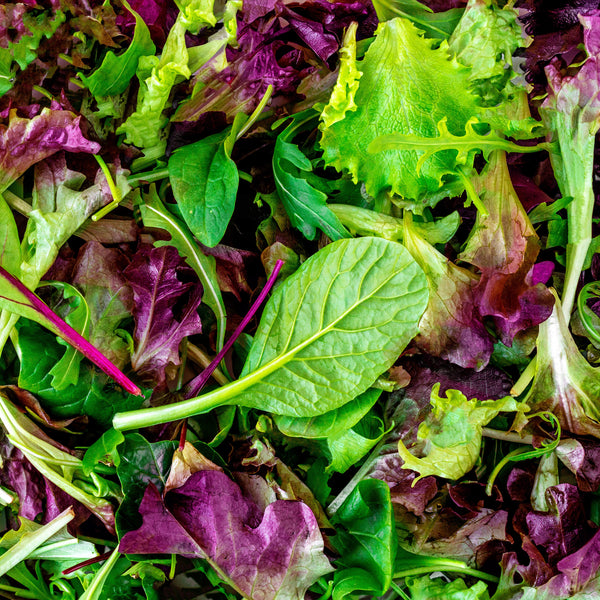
(299, 299)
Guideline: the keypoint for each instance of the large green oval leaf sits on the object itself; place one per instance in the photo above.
(325, 335)
(334, 326)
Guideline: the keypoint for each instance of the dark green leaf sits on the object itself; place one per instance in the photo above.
(205, 182)
(114, 74)
(366, 540)
(142, 463)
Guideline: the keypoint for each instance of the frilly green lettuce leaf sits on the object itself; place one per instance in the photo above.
(450, 436)
(342, 95)
(485, 40)
(408, 86)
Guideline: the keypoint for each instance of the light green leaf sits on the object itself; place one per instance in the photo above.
(154, 214)
(205, 183)
(104, 447)
(333, 327)
(114, 74)
(342, 95)
(10, 245)
(485, 40)
(408, 86)
(196, 14)
(450, 436)
(326, 334)
(425, 588)
(332, 423)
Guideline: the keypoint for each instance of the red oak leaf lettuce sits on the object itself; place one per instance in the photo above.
(24, 142)
(503, 246)
(277, 553)
(166, 299)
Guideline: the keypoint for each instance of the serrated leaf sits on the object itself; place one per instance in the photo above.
(154, 214)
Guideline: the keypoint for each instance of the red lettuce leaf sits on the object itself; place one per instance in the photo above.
(165, 311)
(504, 247)
(24, 142)
(278, 553)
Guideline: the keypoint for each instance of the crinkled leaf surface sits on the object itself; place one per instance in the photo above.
(154, 214)
(407, 87)
(333, 327)
(275, 554)
(157, 278)
(425, 588)
(98, 273)
(504, 246)
(24, 142)
(450, 436)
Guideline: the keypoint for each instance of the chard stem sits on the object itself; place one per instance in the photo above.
(525, 378)
(450, 566)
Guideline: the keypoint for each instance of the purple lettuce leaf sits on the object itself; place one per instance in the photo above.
(166, 297)
(275, 553)
(98, 273)
(582, 458)
(279, 44)
(153, 13)
(24, 142)
(564, 528)
(504, 246)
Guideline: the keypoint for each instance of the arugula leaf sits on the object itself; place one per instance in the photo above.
(450, 436)
(113, 75)
(332, 327)
(305, 205)
(205, 183)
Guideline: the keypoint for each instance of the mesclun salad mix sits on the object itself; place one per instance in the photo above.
(299, 299)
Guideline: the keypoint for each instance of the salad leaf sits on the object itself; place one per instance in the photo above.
(154, 214)
(425, 588)
(205, 183)
(366, 541)
(283, 541)
(113, 75)
(397, 68)
(451, 327)
(504, 246)
(157, 278)
(450, 436)
(305, 205)
(26, 141)
(327, 313)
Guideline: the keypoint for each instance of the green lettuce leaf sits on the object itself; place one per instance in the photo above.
(408, 86)
(450, 436)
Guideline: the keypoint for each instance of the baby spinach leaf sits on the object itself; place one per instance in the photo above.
(305, 205)
(113, 75)
(325, 335)
(366, 540)
(331, 423)
(94, 394)
(105, 446)
(205, 182)
(141, 463)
